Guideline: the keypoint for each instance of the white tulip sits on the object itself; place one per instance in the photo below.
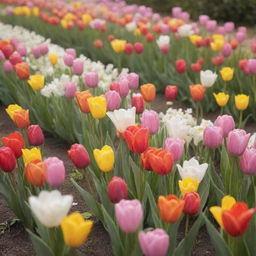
(208, 78)
(131, 26)
(122, 118)
(50, 207)
(192, 169)
(252, 141)
(185, 30)
(163, 40)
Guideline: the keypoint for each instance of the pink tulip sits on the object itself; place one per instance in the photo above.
(240, 37)
(185, 16)
(176, 12)
(203, 19)
(237, 142)
(43, 49)
(68, 60)
(226, 50)
(211, 25)
(156, 17)
(15, 42)
(71, 51)
(242, 29)
(55, 171)
(36, 51)
(35, 135)
(91, 79)
(221, 30)
(7, 66)
(213, 136)
(175, 146)
(70, 89)
(229, 26)
(1, 55)
(252, 66)
(78, 67)
(129, 215)
(165, 29)
(123, 87)
(133, 79)
(113, 100)
(226, 122)
(150, 120)
(248, 161)
(22, 49)
(154, 242)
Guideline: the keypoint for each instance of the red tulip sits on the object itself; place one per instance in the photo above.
(138, 103)
(217, 60)
(98, 44)
(111, 38)
(138, 47)
(197, 92)
(22, 70)
(128, 49)
(192, 203)
(35, 135)
(144, 158)
(7, 159)
(196, 67)
(15, 142)
(79, 156)
(7, 50)
(15, 58)
(200, 61)
(181, 66)
(149, 37)
(171, 92)
(137, 138)
(117, 189)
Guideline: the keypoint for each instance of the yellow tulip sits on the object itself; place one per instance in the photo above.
(35, 11)
(195, 38)
(221, 98)
(29, 155)
(53, 58)
(217, 45)
(17, 11)
(75, 229)
(64, 23)
(97, 106)
(226, 204)
(12, 108)
(36, 82)
(188, 185)
(241, 101)
(227, 73)
(118, 45)
(26, 11)
(217, 37)
(173, 22)
(86, 18)
(69, 17)
(104, 158)
(137, 32)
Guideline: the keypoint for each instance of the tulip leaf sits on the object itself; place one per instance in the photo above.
(218, 242)
(204, 190)
(186, 245)
(39, 245)
(249, 237)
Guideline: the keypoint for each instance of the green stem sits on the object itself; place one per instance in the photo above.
(186, 225)
(240, 119)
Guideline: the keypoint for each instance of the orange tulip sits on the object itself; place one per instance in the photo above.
(81, 98)
(197, 92)
(170, 207)
(22, 70)
(148, 92)
(21, 118)
(36, 172)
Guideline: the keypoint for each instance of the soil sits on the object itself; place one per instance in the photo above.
(13, 238)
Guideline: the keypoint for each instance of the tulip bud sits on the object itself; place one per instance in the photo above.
(78, 67)
(196, 67)
(7, 159)
(240, 37)
(229, 27)
(138, 48)
(128, 49)
(117, 189)
(150, 120)
(7, 50)
(211, 25)
(171, 92)
(217, 60)
(55, 171)
(36, 51)
(138, 103)
(192, 203)
(35, 135)
(213, 136)
(91, 79)
(175, 146)
(68, 60)
(79, 156)
(113, 100)
(181, 66)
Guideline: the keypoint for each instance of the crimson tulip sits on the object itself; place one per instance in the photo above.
(192, 203)
(171, 92)
(35, 135)
(7, 159)
(15, 142)
(117, 189)
(79, 156)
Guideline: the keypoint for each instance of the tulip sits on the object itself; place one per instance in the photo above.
(53, 58)
(170, 208)
(171, 92)
(123, 87)
(22, 70)
(44, 49)
(7, 66)
(55, 171)
(71, 52)
(36, 82)
(7, 159)
(133, 79)
(78, 67)
(36, 51)
(15, 142)
(7, 50)
(21, 118)
(203, 19)
(75, 229)
(213, 136)
(91, 79)
(145, 158)
(70, 89)
(241, 101)
(12, 108)
(227, 73)
(105, 158)
(15, 58)
(251, 65)
(192, 203)
(226, 50)
(226, 122)
(181, 66)
(138, 47)
(197, 92)
(68, 60)
(237, 141)
(163, 41)
(129, 215)
(229, 26)
(208, 78)
(217, 60)
(50, 207)
(138, 103)
(221, 98)
(211, 25)
(137, 138)
(192, 169)
(117, 189)
(79, 156)
(113, 100)
(248, 161)
(122, 118)
(118, 45)
(29, 155)
(97, 106)
(196, 67)
(148, 92)
(150, 120)
(81, 99)
(128, 49)
(176, 12)
(35, 173)
(188, 185)
(98, 44)
(175, 146)
(35, 135)
(154, 242)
